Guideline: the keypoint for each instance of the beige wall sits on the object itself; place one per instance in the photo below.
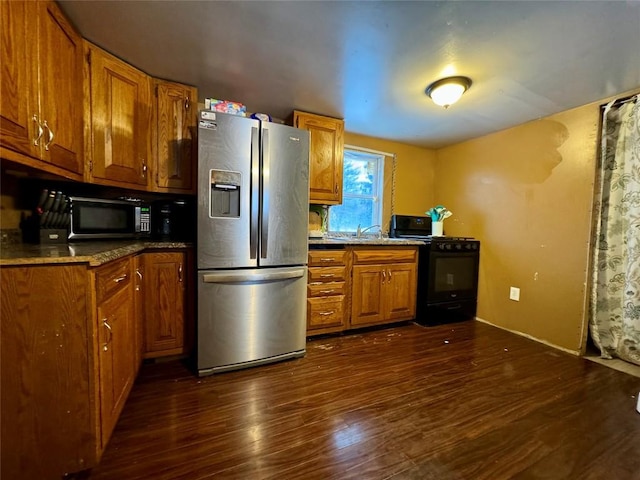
(526, 193)
(413, 176)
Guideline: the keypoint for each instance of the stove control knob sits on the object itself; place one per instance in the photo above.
(475, 246)
(458, 246)
(448, 246)
(441, 246)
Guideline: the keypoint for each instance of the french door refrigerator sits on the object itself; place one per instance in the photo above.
(253, 204)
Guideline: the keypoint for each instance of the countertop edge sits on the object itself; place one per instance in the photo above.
(92, 253)
(353, 242)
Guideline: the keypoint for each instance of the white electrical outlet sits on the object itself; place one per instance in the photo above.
(514, 294)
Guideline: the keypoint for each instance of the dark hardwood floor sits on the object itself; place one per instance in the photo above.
(460, 401)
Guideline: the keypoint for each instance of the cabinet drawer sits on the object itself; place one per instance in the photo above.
(111, 278)
(325, 312)
(319, 258)
(326, 274)
(325, 289)
(385, 255)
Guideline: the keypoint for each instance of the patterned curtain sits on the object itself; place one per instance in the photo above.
(615, 296)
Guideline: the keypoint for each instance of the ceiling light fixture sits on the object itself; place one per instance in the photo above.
(447, 91)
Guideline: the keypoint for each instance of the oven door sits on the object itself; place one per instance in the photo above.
(452, 276)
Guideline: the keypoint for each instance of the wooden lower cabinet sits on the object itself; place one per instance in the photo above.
(69, 360)
(165, 286)
(116, 340)
(327, 289)
(384, 286)
(48, 386)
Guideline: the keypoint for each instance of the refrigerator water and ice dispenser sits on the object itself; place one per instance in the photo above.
(225, 194)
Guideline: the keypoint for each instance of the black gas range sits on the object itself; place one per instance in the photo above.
(447, 271)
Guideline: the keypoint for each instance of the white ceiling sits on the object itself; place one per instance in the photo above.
(369, 62)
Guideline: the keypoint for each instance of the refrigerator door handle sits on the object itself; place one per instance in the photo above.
(251, 277)
(255, 194)
(266, 192)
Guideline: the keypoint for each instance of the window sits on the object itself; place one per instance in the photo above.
(361, 193)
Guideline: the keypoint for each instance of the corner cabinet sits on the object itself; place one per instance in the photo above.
(384, 285)
(326, 153)
(41, 106)
(176, 111)
(165, 288)
(119, 115)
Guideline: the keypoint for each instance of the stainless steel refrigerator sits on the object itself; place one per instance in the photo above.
(253, 204)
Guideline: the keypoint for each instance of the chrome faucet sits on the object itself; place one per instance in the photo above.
(360, 231)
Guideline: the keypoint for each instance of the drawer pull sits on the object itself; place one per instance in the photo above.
(327, 275)
(326, 314)
(120, 278)
(327, 259)
(326, 291)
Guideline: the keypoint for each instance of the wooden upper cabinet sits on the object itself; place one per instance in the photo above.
(176, 111)
(18, 88)
(325, 156)
(41, 90)
(120, 118)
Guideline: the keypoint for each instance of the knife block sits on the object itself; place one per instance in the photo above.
(51, 236)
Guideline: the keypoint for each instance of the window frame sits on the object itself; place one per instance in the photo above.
(377, 193)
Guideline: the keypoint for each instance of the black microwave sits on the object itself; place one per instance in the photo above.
(95, 218)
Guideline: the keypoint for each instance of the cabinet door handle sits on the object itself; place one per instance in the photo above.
(389, 274)
(186, 103)
(139, 284)
(384, 276)
(144, 168)
(336, 188)
(46, 125)
(36, 140)
(120, 278)
(326, 314)
(105, 347)
(327, 275)
(180, 273)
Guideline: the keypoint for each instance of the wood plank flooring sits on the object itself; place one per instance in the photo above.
(458, 401)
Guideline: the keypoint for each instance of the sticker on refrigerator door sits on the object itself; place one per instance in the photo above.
(208, 125)
(207, 115)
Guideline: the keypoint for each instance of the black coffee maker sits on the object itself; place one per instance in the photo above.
(173, 220)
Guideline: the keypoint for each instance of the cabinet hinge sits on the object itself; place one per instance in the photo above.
(91, 165)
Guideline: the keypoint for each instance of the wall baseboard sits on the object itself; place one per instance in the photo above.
(530, 337)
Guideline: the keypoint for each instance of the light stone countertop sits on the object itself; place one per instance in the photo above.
(365, 241)
(92, 252)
